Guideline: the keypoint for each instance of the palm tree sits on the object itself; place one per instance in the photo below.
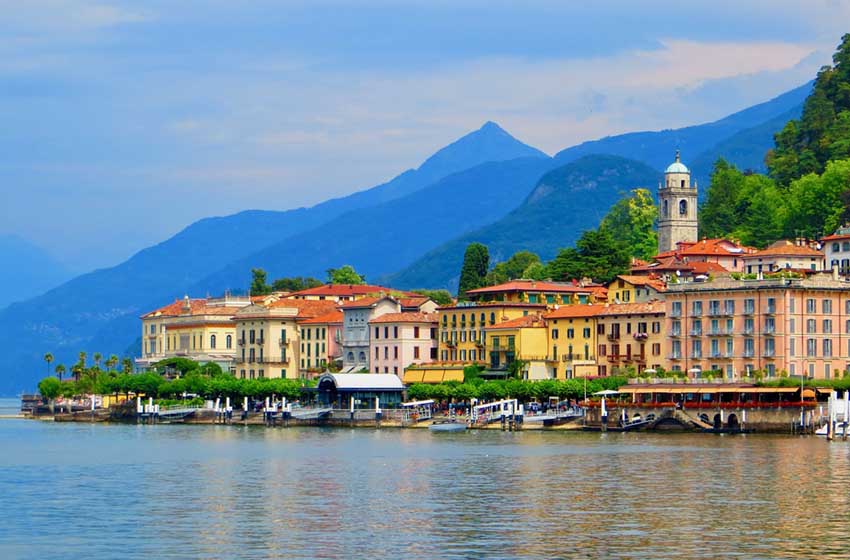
(83, 356)
(97, 358)
(127, 364)
(60, 371)
(111, 361)
(48, 357)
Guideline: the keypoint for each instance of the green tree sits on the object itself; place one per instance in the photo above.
(345, 275)
(50, 388)
(596, 255)
(821, 135)
(815, 203)
(112, 361)
(258, 282)
(512, 268)
(97, 357)
(48, 357)
(476, 262)
(60, 371)
(440, 297)
(127, 365)
(719, 215)
(536, 271)
(295, 284)
(632, 221)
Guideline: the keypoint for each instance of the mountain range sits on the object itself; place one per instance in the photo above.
(31, 270)
(477, 187)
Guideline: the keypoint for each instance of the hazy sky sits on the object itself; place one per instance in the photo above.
(122, 122)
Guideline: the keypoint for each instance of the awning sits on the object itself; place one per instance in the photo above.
(413, 376)
(433, 376)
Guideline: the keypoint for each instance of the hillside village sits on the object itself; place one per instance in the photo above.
(700, 308)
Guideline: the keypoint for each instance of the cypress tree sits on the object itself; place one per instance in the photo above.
(476, 261)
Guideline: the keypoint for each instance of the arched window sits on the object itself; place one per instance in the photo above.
(683, 207)
(212, 342)
(666, 209)
(683, 183)
(492, 318)
(229, 342)
(351, 356)
(362, 356)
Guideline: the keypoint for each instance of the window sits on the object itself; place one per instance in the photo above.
(492, 318)
(811, 326)
(416, 352)
(377, 353)
(676, 349)
(826, 306)
(749, 345)
(395, 332)
(656, 349)
(827, 348)
(656, 327)
(827, 326)
(554, 333)
(749, 306)
(377, 333)
(771, 305)
(683, 205)
(811, 347)
(696, 310)
(212, 342)
(792, 326)
(769, 325)
(811, 306)
(675, 310)
(696, 348)
(395, 352)
(386, 332)
(251, 336)
(586, 332)
(571, 333)
(792, 348)
(676, 328)
(729, 306)
(769, 347)
(472, 354)
(228, 342)
(415, 332)
(836, 247)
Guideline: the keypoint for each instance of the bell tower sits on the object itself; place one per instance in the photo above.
(677, 207)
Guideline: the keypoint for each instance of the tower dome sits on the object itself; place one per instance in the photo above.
(677, 166)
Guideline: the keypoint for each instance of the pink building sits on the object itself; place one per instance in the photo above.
(718, 251)
(775, 326)
(399, 340)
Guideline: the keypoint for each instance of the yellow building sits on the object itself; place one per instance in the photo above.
(635, 289)
(524, 339)
(538, 292)
(198, 329)
(321, 337)
(462, 336)
(629, 335)
(269, 341)
(573, 340)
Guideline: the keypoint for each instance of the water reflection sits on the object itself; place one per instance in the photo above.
(235, 492)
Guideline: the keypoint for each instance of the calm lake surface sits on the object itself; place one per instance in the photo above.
(108, 491)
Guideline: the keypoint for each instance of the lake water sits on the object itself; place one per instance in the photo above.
(108, 491)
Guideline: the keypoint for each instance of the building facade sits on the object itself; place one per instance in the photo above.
(524, 340)
(537, 292)
(399, 340)
(269, 341)
(198, 329)
(784, 255)
(630, 337)
(321, 342)
(677, 207)
(573, 340)
(774, 326)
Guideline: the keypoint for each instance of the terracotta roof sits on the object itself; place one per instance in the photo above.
(706, 267)
(489, 304)
(348, 290)
(406, 317)
(196, 307)
(417, 301)
(530, 286)
(784, 248)
(653, 283)
(721, 247)
(529, 321)
(575, 311)
(306, 309)
(651, 307)
(671, 264)
(332, 317)
(368, 301)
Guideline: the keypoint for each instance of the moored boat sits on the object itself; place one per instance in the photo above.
(451, 425)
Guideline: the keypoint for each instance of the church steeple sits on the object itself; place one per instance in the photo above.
(677, 207)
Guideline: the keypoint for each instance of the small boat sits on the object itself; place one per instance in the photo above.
(824, 430)
(451, 425)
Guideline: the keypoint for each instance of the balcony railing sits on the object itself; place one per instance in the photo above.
(675, 356)
(283, 341)
(674, 334)
(261, 341)
(769, 353)
(614, 336)
(696, 332)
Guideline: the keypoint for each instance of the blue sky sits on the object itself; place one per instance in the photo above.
(122, 122)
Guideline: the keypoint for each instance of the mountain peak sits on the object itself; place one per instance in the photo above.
(489, 143)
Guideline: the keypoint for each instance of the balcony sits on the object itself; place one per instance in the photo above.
(749, 331)
(714, 312)
(614, 336)
(696, 332)
(716, 332)
(614, 357)
(241, 342)
(749, 311)
(769, 354)
(261, 341)
(675, 313)
(640, 336)
(749, 354)
(769, 331)
(770, 310)
(675, 356)
(283, 342)
(674, 334)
